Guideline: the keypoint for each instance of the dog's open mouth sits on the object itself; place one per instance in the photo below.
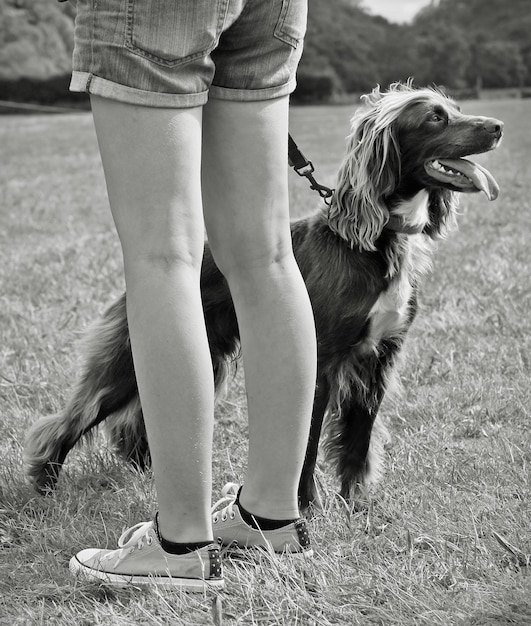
(464, 175)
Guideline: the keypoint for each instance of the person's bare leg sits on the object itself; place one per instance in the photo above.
(151, 158)
(245, 194)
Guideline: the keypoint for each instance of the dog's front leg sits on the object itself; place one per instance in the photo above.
(358, 459)
(355, 464)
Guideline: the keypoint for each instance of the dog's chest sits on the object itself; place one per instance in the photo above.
(390, 313)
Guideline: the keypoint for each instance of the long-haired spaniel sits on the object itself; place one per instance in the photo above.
(362, 259)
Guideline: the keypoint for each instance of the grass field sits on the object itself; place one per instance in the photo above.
(428, 550)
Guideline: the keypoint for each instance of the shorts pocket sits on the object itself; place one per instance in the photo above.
(172, 32)
(291, 25)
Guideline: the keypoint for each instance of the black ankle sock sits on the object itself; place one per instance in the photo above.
(181, 548)
(261, 523)
(177, 548)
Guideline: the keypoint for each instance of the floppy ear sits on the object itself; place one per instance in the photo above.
(367, 176)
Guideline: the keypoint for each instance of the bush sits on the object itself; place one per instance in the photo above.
(318, 87)
(41, 91)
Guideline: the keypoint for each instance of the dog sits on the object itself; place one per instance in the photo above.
(362, 259)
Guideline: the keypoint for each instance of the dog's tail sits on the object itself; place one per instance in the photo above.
(107, 385)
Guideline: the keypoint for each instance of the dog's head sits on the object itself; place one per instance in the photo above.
(405, 164)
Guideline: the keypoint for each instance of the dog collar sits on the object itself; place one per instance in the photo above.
(398, 225)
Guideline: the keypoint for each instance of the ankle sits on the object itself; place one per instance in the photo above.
(269, 506)
(182, 533)
(262, 523)
(174, 547)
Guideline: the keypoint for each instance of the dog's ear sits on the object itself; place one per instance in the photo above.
(367, 176)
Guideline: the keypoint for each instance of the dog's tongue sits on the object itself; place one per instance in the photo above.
(480, 177)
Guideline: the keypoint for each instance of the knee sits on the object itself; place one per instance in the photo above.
(164, 259)
(243, 261)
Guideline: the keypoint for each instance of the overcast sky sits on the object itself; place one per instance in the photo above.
(395, 10)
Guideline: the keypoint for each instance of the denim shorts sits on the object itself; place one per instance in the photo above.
(175, 53)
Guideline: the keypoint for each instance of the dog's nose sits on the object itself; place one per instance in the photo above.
(494, 126)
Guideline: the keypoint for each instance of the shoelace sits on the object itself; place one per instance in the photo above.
(228, 498)
(133, 538)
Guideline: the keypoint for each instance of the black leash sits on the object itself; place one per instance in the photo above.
(305, 168)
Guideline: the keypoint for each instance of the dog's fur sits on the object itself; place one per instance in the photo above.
(362, 260)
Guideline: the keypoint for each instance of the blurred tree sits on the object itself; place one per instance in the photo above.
(444, 53)
(36, 39)
(343, 39)
(499, 64)
(397, 57)
(493, 21)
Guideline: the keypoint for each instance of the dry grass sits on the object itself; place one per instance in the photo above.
(445, 539)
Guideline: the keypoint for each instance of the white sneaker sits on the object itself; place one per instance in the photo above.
(140, 560)
(231, 530)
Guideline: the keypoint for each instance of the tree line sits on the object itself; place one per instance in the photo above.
(462, 45)
(458, 44)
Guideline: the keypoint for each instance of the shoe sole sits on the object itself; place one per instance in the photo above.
(124, 580)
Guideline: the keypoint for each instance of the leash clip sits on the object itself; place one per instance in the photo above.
(305, 168)
(325, 192)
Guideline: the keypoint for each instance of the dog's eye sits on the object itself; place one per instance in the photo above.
(436, 118)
